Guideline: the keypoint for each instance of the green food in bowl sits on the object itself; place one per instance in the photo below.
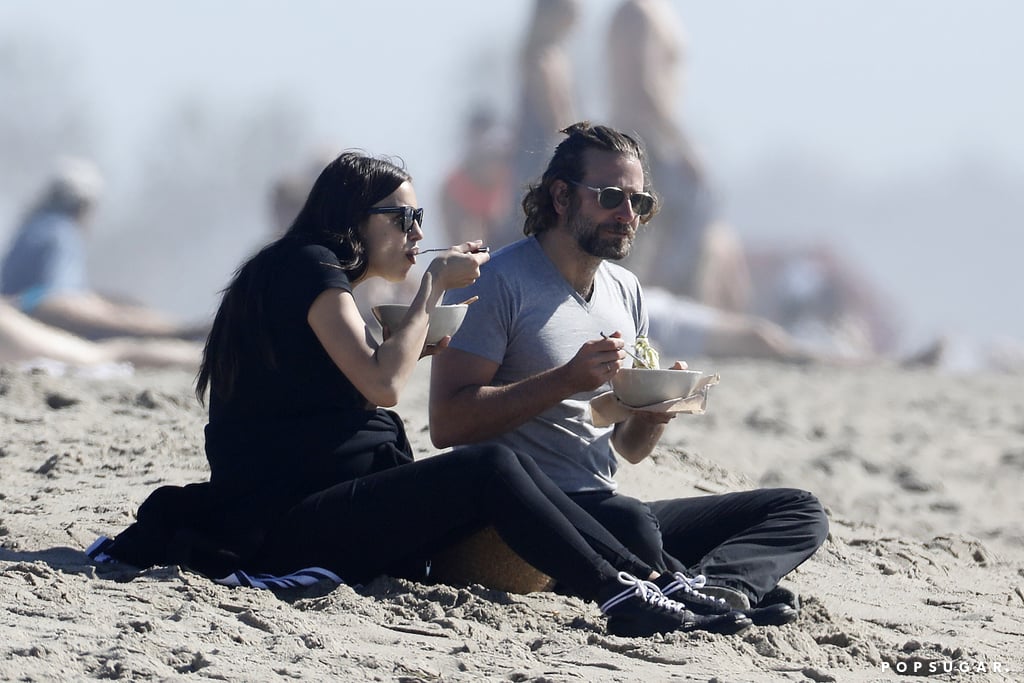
(647, 353)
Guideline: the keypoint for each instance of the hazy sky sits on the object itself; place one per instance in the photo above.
(878, 86)
(874, 91)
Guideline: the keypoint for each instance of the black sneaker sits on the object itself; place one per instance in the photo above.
(783, 595)
(687, 590)
(642, 610)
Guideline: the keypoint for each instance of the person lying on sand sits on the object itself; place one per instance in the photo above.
(44, 271)
(531, 353)
(307, 466)
(682, 327)
(24, 339)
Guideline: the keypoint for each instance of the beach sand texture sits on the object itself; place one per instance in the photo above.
(923, 571)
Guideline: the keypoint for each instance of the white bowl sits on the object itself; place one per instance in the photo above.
(638, 387)
(444, 320)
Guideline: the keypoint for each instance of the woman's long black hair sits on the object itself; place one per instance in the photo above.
(336, 208)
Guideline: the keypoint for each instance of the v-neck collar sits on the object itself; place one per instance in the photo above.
(587, 305)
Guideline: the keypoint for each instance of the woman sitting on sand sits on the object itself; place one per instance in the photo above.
(306, 468)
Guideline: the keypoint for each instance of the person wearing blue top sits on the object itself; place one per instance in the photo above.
(48, 253)
(45, 273)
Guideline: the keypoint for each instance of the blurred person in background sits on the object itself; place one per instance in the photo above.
(690, 249)
(26, 340)
(546, 94)
(683, 328)
(45, 269)
(818, 297)
(287, 194)
(476, 197)
(799, 305)
(288, 191)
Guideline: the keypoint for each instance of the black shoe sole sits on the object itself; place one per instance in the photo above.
(723, 624)
(772, 615)
(776, 614)
(780, 595)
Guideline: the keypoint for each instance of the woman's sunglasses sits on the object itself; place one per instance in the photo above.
(612, 198)
(410, 216)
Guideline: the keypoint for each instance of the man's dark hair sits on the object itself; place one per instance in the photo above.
(568, 164)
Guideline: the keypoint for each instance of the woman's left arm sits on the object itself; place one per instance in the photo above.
(381, 373)
(378, 373)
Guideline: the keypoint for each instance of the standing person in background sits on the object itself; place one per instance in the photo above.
(307, 466)
(288, 191)
(476, 197)
(691, 250)
(697, 273)
(45, 270)
(532, 353)
(545, 92)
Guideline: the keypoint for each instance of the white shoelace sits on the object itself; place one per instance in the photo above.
(693, 586)
(646, 591)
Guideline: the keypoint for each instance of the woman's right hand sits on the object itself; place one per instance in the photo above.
(459, 266)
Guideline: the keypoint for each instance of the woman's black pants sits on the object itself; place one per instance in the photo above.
(386, 522)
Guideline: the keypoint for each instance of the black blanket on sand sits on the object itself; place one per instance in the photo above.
(215, 529)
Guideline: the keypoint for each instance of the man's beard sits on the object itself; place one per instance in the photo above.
(588, 237)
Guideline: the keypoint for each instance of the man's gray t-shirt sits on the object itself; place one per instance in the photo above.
(529, 319)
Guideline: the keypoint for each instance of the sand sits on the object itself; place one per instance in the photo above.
(923, 571)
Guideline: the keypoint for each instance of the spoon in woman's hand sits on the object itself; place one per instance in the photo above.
(478, 250)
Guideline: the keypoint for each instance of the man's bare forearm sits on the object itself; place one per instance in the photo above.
(475, 413)
(636, 438)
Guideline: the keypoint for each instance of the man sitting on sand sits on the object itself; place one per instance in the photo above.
(530, 355)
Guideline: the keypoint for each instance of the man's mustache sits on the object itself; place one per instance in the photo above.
(624, 230)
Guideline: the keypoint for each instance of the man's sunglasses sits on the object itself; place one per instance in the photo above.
(410, 216)
(612, 198)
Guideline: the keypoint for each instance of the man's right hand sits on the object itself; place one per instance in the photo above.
(595, 363)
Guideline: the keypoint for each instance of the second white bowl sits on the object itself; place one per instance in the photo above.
(444, 320)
